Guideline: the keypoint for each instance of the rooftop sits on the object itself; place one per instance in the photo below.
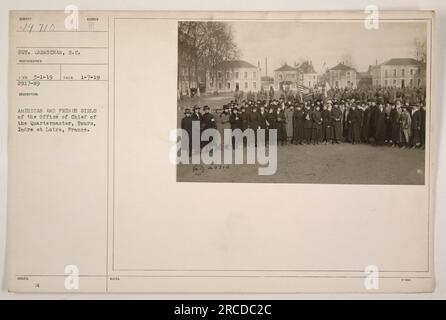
(401, 62)
(342, 67)
(286, 67)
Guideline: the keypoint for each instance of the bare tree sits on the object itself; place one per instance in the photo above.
(220, 46)
(191, 39)
(203, 45)
(420, 49)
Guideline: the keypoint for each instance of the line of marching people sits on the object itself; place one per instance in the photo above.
(321, 121)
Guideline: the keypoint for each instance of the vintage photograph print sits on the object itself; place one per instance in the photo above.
(330, 101)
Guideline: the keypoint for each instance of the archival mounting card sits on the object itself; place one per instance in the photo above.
(221, 151)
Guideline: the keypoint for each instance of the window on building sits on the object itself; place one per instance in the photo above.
(211, 84)
(246, 85)
(411, 72)
(394, 81)
(419, 82)
(218, 75)
(228, 85)
(394, 72)
(376, 82)
(280, 77)
(386, 72)
(236, 75)
(254, 85)
(246, 75)
(227, 74)
(385, 82)
(309, 83)
(219, 85)
(411, 82)
(403, 72)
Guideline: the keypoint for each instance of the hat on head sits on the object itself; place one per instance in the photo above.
(187, 110)
(206, 108)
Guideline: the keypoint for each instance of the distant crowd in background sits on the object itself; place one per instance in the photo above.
(378, 116)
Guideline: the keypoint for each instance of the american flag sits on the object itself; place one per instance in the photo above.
(303, 91)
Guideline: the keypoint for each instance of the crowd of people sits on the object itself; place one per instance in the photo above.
(397, 122)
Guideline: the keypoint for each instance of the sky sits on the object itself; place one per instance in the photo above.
(325, 42)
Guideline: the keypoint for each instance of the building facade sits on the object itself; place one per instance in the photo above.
(235, 75)
(364, 79)
(286, 78)
(342, 76)
(267, 82)
(400, 73)
(309, 79)
(308, 75)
